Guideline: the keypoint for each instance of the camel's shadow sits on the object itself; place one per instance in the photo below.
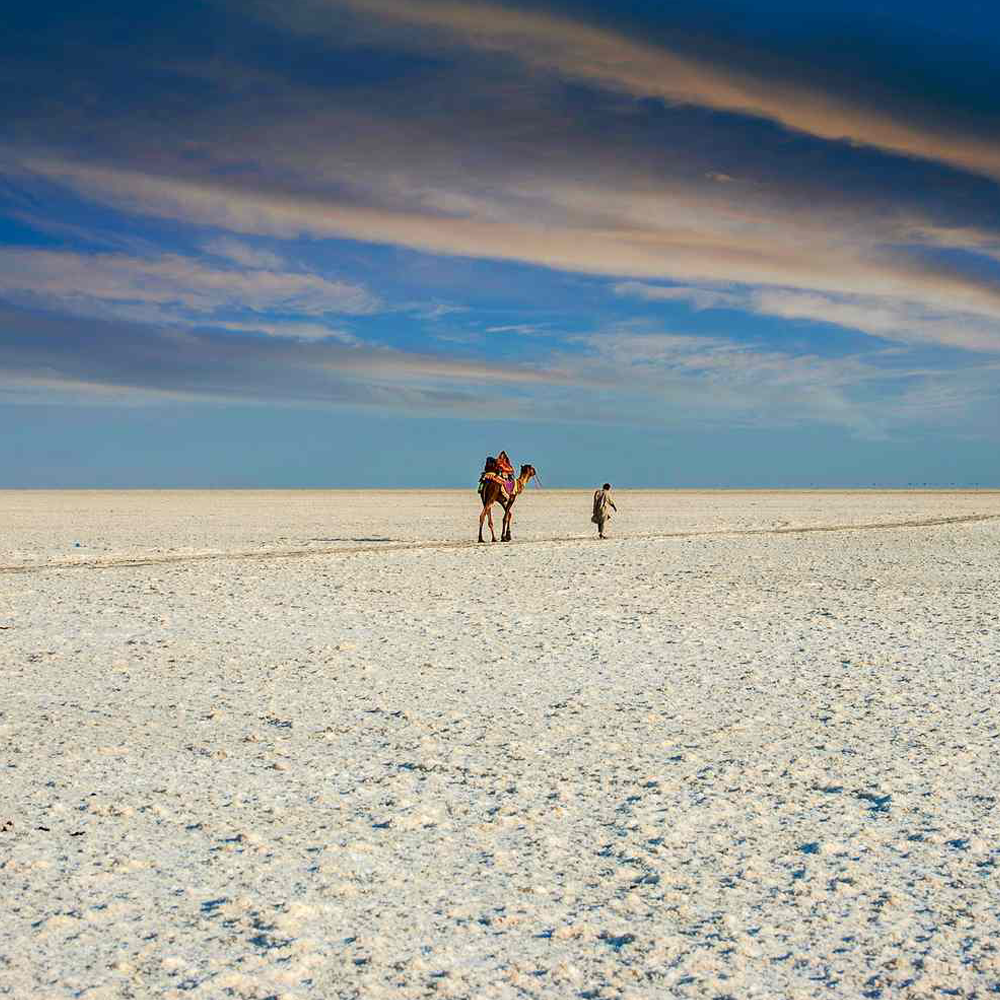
(353, 539)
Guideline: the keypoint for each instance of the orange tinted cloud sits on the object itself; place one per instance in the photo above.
(611, 60)
(778, 255)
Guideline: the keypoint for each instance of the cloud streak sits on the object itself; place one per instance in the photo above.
(778, 255)
(625, 375)
(608, 59)
(722, 382)
(889, 318)
(699, 298)
(103, 357)
(169, 284)
(244, 255)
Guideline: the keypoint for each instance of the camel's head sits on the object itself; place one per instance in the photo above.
(528, 472)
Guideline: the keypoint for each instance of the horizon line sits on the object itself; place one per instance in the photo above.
(835, 488)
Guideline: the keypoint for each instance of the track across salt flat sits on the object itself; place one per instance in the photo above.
(303, 552)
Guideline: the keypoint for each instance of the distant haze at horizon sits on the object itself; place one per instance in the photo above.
(249, 450)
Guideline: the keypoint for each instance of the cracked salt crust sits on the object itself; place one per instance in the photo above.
(703, 766)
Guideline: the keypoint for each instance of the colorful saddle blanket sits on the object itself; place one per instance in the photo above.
(507, 484)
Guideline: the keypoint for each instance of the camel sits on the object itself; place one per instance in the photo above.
(491, 494)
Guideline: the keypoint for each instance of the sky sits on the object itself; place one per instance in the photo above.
(317, 243)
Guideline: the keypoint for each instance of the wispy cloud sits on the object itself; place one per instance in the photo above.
(700, 298)
(609, 59)
(626, 374)
(437, 311)
(721, 381)
(118, 283)
(289, 329)
(887, 317)
(969, 238)
(522, 329)
(781, 254)
(107, 356)
(899, 320)
(243, 254)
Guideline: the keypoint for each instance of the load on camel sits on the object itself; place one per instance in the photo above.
(498, 485)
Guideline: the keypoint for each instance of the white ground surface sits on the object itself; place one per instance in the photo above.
(305, 745)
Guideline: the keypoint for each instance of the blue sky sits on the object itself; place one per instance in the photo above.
(367, 242)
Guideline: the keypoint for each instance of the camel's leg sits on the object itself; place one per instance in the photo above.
(507, 514)
(487, 514)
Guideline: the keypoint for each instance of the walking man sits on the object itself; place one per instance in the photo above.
(603, 506)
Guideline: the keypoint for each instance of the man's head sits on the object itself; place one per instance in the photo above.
(606, 486)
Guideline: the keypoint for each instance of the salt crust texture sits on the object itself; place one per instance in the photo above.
(704, 765)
